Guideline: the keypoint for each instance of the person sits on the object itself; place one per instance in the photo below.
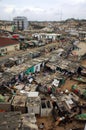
(41, 126)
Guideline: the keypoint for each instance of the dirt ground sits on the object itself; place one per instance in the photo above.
(50, 124)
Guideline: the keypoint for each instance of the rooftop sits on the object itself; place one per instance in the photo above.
(7, 42)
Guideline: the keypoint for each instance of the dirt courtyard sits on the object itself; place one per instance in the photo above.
(50, 124)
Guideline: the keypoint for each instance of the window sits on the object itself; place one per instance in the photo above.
(2, 50)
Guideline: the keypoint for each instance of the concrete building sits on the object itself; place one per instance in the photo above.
(34, 103)
(46, 36)
(46, 108)
(21, 23)
(8, 45)
(5, 103)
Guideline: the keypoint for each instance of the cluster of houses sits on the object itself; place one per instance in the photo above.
(16, 42)
(31, 84)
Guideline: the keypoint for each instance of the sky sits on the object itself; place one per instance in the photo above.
(43, 10)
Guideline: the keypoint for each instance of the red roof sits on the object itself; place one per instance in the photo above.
(7, 41)
(15, 36)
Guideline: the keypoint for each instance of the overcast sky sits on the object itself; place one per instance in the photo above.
(41, 10)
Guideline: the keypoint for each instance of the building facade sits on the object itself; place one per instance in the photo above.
(21, 23)
(8, 45)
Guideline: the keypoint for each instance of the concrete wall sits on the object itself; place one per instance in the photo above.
(34, 105)
(34, 109)
(46, 109)
(11, 48)
(37, 67)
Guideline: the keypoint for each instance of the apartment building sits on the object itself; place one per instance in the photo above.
(21, 23)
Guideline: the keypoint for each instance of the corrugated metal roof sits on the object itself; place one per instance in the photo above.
(7, 41)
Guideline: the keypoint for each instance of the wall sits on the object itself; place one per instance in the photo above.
(34, 109)
(37, 68)
(34, 105)
(11, 48)
(46, 110)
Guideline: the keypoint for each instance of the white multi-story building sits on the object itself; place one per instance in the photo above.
(21, 23)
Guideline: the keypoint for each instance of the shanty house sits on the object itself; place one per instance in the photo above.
(5, 103)
(19, 103)
(36, 66)
(7, 45)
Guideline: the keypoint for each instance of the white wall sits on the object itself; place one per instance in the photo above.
(34, 109)
(47, 111)
(11, 47)
(37, 67)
